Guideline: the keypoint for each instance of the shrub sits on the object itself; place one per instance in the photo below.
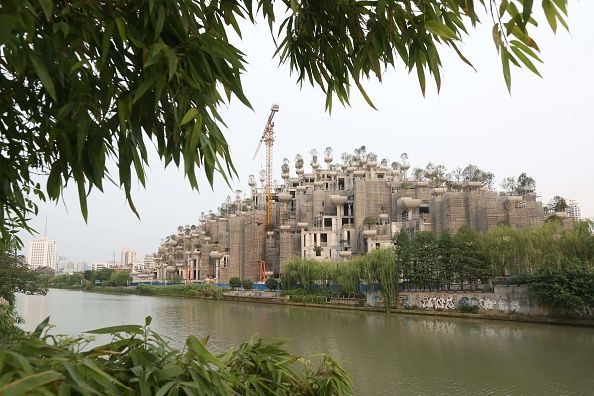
(565, 287)
(234, 283)
(271, 283)
(469, 308)
(247, 284)
(9, 330)
(138, 361)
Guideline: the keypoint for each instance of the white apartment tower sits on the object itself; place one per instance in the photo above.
(128, 257)
(42, 253)
(574, 210)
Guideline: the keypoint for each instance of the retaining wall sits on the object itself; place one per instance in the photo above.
(511, 299)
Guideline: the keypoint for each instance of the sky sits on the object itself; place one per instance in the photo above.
(544, 128)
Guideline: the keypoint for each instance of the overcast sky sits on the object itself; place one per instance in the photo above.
(544, 128)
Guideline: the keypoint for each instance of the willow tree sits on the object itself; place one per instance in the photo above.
(383, 269)
(85, 82)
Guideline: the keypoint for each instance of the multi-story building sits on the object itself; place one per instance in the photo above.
(42, 253)
(148, 263)
(128, 258)
(574, 209)
(332, 212)
(101, 265)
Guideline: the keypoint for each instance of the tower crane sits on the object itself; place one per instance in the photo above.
(268, 139)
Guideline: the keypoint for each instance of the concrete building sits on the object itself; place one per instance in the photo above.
(574, 210)
(332, 212)
(128, 258)
(101, 265)
(148, 263)
(42, 253)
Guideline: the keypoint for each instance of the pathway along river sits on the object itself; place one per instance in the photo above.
(386, 355)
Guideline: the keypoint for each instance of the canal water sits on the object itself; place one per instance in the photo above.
(385, 354)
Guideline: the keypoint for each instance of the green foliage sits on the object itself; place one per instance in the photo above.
(138, 361)
(120, 278)
(84, 84)
(305, 296)
(566, 287)
(16, 277)
(247, 284)
(200, 290)
(235, 283)
(404, 256)
(369, 221)
(473, 173)
(559, 204)
(271, 283)
(522, 186)
(67, 281)
(305, 273)
(425, 260)
(471, 264)
(469, 308)
(347, 276)
(381, 267)
(445, 247)
(9, 320)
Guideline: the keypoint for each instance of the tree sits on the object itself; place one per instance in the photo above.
(473, 173)
(83, 84)
(120, 278)
(524, 185)
(386, 273)
(247, 284)
(271, 283)
(564, 287)
(16, 277)
(558, 204)
(235, 283)
(470, 262)
(503, 246)
(425, 259)
(445, 247)
(404, 256)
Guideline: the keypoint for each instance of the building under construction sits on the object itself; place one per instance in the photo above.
(332, 211)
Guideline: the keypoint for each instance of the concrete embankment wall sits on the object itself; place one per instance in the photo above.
(504, 299)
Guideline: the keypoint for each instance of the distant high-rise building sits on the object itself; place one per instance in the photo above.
(574, 210)
(128, 257)
(42, 253)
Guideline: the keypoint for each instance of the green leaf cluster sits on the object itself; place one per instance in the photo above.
(137, 361)
(16, 277)
(566, 287)
(84, 85)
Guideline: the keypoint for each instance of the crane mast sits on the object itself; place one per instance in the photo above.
(268, 139)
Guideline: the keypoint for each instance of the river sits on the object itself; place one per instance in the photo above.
(385, 354)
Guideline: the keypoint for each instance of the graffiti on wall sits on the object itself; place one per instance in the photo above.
(404, 301)
(437, 302)
(501, 304)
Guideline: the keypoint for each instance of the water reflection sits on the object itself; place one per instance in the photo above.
(396, 354)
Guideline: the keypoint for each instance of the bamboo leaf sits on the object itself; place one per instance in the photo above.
(30, 383)
(438, 28)
(505, 65)
(189, 116)
(131, 329)
(44, 76)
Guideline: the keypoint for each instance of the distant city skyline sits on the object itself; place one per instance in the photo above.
(543, 128)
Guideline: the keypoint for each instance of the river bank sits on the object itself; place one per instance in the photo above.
(385, 354)
(265, 297)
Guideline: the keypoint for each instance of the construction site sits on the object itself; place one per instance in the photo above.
(331, 210)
